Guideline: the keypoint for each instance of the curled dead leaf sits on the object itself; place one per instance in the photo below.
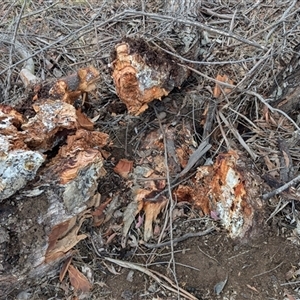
(65, 268)
(83, 121)
(151, 209)
(79, 282)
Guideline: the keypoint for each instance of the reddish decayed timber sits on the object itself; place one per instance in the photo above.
(142, 73)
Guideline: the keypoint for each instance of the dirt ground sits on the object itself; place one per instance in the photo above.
(213, 266)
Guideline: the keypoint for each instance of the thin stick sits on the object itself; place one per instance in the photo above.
(237, 135)
(197, 24)
(290, 283)
(155, 275)
(197, 154)
(171, 200)
(180, 239)
(12, 47)
(210, 63)
(38, 12)
(281, 189)
(207, 255)
(263, 273)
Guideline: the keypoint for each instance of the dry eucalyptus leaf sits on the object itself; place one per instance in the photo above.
(65, 268)
(79, 282)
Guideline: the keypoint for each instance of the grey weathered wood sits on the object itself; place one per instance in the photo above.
(188, 35)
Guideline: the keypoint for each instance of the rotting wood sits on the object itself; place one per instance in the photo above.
(51, 196)
(230, 191)
(142, 74)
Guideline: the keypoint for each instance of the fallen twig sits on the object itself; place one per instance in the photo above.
(8, 77)
(180, 239)
(196, 24)
(171, 200)
(74, 34)
(211, 63)
(260, 97)
(155, 275)
(237, 135)
(281, 189)
(263, 273)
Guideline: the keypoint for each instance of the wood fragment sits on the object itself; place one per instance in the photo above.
(179, 239)
(73, 87)
(142, 73)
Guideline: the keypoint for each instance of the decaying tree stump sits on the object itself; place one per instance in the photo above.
(43, 201)
(228, 191)
(142, 73)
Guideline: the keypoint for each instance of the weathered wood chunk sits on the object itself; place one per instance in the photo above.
(229, 191)
(18, 163)
(142, 73)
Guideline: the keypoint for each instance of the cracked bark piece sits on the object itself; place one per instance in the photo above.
(77, 167)
(72, 87)
(51, 124)
(49, 210)
(142, 73)
(18, 164)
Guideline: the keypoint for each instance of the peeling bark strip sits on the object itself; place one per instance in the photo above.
(72, 87)
(142, 73)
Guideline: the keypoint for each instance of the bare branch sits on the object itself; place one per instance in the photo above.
(281, 189)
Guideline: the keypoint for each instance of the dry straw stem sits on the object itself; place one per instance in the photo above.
(171, 200)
